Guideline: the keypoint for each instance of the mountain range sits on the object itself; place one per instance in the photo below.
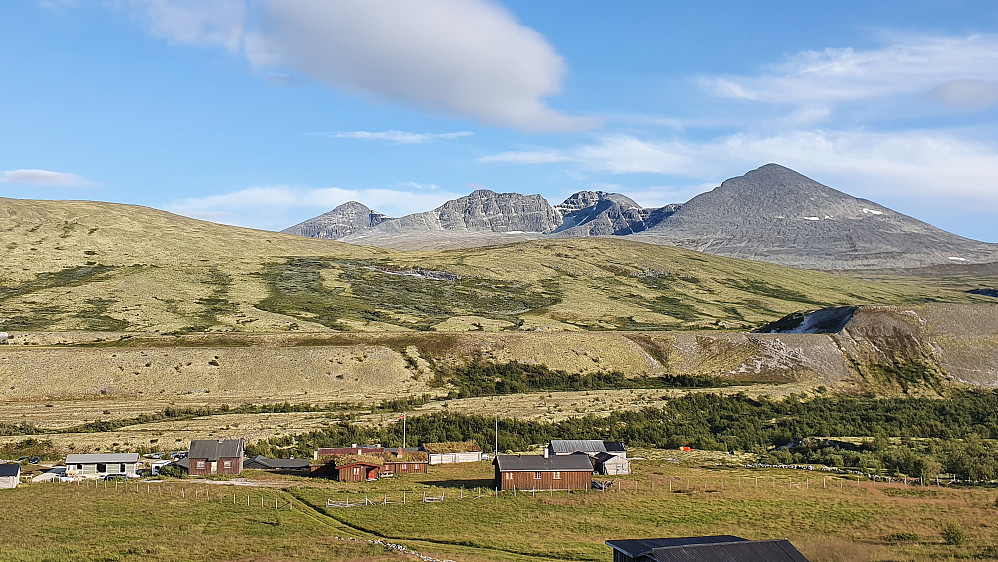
(771, 214)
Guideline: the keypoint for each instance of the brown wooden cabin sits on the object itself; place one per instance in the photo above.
(351, 450)
(358, 471)
(406, 462)
(210, 456)
(543, 472)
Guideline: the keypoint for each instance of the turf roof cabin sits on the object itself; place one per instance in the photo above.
(704, 549)
(10, 475)
(372, 466)
(97, 465)
(543, 472)
(210, 456)
(453, 452)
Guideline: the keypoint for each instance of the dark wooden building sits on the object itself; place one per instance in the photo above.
(543, 472)
(357, 470)
(261, 462)
(704, 549)
(210, 456)
(406, 462)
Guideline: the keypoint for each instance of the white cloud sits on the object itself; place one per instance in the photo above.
(44, 177)
(278, 207)
(915, 163)
(399, 137)
(194, 22)
(911, 65)
(967, 94)
(469, 58)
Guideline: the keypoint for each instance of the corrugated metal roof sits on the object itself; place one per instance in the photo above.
(102, 458)
(213, 449)
(745, 551)
(10, 470)
(640, 547)
(559, 446)
(537, 463)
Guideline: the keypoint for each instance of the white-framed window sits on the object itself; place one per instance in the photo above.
(538, 475)
(226, 464)
(509, 476)
(200, 465)
(356, 471)
(556, 475)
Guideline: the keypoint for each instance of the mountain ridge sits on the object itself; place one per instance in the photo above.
(771, 214)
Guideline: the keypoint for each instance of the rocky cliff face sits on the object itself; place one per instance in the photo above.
(342, 221)
(598, 213)
(482, 211)
(777, 215)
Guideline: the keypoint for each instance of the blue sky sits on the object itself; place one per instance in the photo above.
(263, 113)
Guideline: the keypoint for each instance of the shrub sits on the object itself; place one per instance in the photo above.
(954, 534)
(901, 537)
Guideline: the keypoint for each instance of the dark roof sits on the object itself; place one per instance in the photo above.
(262, 462)
(603, 457)
(746, 551)
(213, 449)
(537, 463)
(10, 470)
(184, 463)
(614, 447)
(640, 547)
(721, 548)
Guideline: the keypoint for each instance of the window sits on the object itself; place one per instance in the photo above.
(509, 476)
(356, 471)
(200, 465)
(226, 464)
(556, 475)
(537, 475)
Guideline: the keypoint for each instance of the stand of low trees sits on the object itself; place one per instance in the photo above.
(918, 437)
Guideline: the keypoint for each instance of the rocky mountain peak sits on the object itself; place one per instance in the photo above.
(342, 221)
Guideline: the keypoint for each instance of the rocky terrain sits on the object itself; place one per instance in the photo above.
(342, 221)
(771, 214)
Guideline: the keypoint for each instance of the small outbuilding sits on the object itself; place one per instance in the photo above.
(606, 463)
(215, 456)
(453, 452)
(101, 464)
(543, 472)
(355, 470)
(704, 549)
(10, 475)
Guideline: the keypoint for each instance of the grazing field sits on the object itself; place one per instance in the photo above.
(827, 518)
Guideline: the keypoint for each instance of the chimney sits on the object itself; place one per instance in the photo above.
(547, 453)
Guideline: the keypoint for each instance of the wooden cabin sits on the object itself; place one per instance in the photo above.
(97, 465)
(358, 471)
(700, 549)
(543, 472)
(211, 456)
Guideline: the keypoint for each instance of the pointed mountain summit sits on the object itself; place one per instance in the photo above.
(342, 221)
(598, 213)
(777, 215)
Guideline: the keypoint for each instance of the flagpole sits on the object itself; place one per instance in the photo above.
(403, 430)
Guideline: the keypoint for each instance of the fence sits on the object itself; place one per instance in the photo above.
(192, 492)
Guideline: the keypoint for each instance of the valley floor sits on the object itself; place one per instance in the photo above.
(827, 518)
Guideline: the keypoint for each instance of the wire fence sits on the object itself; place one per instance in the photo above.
(191, 492)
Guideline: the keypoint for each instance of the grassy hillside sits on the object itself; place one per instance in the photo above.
(84, 266)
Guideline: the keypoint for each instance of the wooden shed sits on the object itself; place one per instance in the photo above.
(704, 549)
(215, 456)
(10, 475)
(406, 462)
(543, 472)
(606, 463)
